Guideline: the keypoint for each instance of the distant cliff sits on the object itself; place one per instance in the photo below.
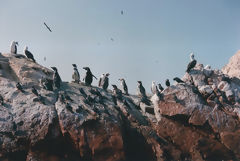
(196, 120)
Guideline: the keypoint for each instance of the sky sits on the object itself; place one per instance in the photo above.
(152, 40)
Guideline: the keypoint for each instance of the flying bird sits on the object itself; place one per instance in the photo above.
(47, 27)
(121, 12)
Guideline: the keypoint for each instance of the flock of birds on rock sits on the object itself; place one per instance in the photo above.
(55, 82)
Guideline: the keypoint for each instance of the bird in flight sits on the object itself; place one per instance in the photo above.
(47, 27)
(122, 12)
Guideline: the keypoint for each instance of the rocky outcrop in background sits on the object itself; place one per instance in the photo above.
(196, 120)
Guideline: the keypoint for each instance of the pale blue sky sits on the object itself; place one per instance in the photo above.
(152, 40)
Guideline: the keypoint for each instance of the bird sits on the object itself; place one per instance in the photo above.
(140, 89)
(178, 80)
(46, 84)
(47, 27)
(83, 92)
(145, 100)
(160, 88)
(69, 107)
(34, 91)
(29, 54)
(44, 58)
(105, 81)
(19, 87)
(153, 87)
(100, 80)
(121, 12)
(111, 39)
(56, 78)
(192, 64)
(226, 78)
(75, 75)
(117, 92)
(13, 47)
(1, 100)
(207, 67)
(167, 82)
(88, 77)
(124, 86)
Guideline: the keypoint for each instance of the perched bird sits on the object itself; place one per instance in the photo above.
(124, 86)
(140, 89)
(19, 87)
(153, 87)
(101, 80)
(145, 100)
(167, 82)
(207, 67)
(46, 83)
(117, 92)
(69, 107)
(88, 77)
(160, 88)
(105, 81)
(67, 97)
(13, 47)
(158, 93)
(192, 64)
(178, 80)
(56, 78)
(83, 92)
(227, 79)
(47, 27)
(41, 99)
(75, 75)
(1, 100)
(34, 91)
(64, 97)
(28, 54)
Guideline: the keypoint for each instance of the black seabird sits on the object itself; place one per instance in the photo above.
(105, 81)
(13, 47)
(76, 75)
(167, 82)
(192, 64)
(56, 78)
(34, 91)
(124, 86)
(141, 89)
(178, 80)
(47, 27)
(160, 88)
(88, 77)
(19, 87)
(29, 54)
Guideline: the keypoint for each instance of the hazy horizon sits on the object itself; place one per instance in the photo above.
(152, 39)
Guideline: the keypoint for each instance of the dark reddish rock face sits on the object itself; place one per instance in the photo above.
(188, 122)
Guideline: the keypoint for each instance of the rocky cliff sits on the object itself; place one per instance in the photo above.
(196, 120)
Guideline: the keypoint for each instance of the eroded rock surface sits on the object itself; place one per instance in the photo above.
(196, 120)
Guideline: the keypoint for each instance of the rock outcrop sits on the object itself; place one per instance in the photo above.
(196, 120)
(232, 68)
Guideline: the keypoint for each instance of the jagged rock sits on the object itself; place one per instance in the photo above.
(232, 68)
(190, 121)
